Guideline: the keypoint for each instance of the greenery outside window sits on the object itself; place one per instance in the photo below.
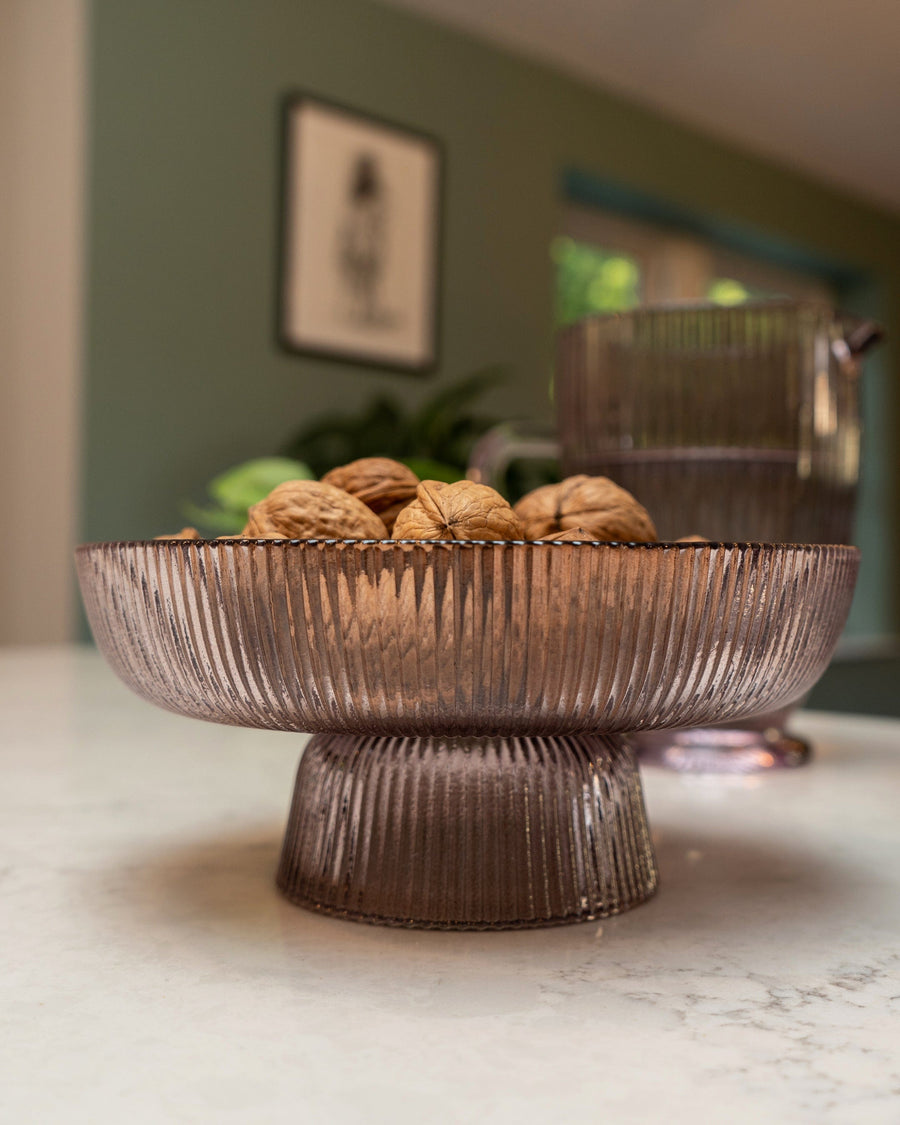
(605, 264)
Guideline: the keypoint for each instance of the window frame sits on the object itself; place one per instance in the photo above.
(676, 266)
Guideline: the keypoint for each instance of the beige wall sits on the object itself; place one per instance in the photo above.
(42, 72)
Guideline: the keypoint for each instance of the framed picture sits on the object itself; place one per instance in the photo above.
(359, 238)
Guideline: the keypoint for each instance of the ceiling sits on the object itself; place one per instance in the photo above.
(813, 84)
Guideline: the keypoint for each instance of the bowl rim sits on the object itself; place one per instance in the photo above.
(281, 544)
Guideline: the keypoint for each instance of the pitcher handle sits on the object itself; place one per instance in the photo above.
(850, 350)
(501, 445)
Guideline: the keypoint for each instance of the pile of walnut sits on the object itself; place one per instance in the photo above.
(377, 498)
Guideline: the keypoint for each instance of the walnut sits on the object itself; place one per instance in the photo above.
(383, 485)
(574, 534)
(463, 510)
(595, 504)
(692, 539)
(185, 533)
(309, 509)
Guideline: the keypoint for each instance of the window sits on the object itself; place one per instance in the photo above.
(605, 263)
(593, 280)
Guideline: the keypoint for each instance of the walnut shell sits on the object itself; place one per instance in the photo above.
(463, 510)
(595, 504)
(309, 509)
(185, 533)
(384, 485)
(573, 535)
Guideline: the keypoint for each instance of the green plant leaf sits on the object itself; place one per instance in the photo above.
(439, 431)
(334, 439)
(216, 521)
(461, 436)
(238, 489)
(246, 484)
(435, 420)
(427, 469)
(323, 443)
(382, 430)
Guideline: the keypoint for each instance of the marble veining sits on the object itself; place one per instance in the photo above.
(153, 974)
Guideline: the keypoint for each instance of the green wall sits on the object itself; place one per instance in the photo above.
(183, 375)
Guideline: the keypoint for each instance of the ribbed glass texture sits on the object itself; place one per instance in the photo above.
(519, 831)
(734, 424)
(466, 638)
(472, 777)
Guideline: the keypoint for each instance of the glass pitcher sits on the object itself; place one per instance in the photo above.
(734, 424)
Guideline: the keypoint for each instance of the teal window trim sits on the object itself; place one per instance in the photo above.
(594, 191)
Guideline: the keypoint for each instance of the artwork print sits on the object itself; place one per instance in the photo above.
(359, 238)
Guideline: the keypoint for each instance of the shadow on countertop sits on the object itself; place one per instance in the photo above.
(220, 892)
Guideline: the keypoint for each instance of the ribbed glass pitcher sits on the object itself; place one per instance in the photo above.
(731, 423)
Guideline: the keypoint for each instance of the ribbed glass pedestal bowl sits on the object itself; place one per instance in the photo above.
(468, 699)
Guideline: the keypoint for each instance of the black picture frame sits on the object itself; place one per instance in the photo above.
(360, 234)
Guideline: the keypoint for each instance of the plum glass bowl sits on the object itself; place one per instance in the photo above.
(468, 699)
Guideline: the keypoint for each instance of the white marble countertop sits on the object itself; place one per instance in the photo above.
(152, 973)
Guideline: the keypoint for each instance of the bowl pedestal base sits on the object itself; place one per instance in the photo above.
(467, 833)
